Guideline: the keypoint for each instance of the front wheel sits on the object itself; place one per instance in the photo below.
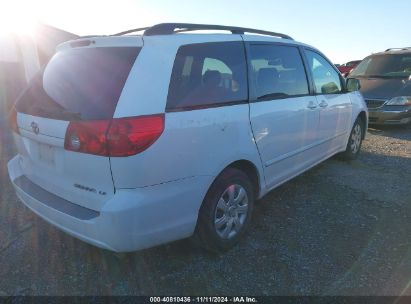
(226, 211)
(355, 141)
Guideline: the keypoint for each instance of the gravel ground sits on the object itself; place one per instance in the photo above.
(342, 228)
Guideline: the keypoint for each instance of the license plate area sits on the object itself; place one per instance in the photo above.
(46, 154)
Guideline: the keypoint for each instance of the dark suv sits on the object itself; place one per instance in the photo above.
(385, 80)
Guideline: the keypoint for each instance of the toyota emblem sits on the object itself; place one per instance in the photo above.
(35, 127)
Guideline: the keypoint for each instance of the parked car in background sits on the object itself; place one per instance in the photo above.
(346, 68)
(385, 80)
(127, 142)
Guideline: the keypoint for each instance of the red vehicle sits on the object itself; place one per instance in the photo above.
(346, 68)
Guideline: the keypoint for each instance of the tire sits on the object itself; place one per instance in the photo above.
(354, 142)
(226, 211)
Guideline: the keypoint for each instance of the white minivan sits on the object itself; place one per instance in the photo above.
(130, 141)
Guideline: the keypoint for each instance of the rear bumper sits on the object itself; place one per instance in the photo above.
(132, 219)
(390, 117)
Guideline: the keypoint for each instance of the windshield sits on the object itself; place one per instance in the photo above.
(83, 83)
(386, 65)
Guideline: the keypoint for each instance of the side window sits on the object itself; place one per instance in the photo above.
(278, 72)
(208, 74)
(326, 79)
(405, 64)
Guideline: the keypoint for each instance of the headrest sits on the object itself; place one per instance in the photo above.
(212, 78)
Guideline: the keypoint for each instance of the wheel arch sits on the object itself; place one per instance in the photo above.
(250, 169)
(363, 117)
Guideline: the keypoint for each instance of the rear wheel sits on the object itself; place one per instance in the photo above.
(226, 211)
(355, 141)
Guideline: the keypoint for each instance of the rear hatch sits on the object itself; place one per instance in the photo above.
(80, 87)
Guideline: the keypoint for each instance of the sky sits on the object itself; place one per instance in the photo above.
(342, 30)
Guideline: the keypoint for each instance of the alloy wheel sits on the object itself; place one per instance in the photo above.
(356, 139)
(231, 211)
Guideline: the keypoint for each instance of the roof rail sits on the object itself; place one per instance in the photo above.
(400, 49)
(172, 28)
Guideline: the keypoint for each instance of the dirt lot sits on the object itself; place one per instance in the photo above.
(339, 229)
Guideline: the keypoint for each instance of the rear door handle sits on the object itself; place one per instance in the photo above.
(312, 105)
(323, 104)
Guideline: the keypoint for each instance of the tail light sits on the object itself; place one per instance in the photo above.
(129, 136)
(87, 137)
(13, 121)
(116, 137)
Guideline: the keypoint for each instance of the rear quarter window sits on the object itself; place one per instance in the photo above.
(79, 84)
(208, 74)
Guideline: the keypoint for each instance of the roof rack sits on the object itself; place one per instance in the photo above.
(172, 28)
(399, 49)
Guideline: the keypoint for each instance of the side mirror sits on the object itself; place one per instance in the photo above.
(353, 84)
(329, 88)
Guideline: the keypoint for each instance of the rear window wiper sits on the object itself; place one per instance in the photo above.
(272, 96)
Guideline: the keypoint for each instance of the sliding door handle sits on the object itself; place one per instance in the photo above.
(312, 105)
(323, 104)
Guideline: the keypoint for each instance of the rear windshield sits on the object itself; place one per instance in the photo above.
(384, 66)
(79, 84)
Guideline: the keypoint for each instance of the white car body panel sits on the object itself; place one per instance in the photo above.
(284, 129)
(335, 118)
